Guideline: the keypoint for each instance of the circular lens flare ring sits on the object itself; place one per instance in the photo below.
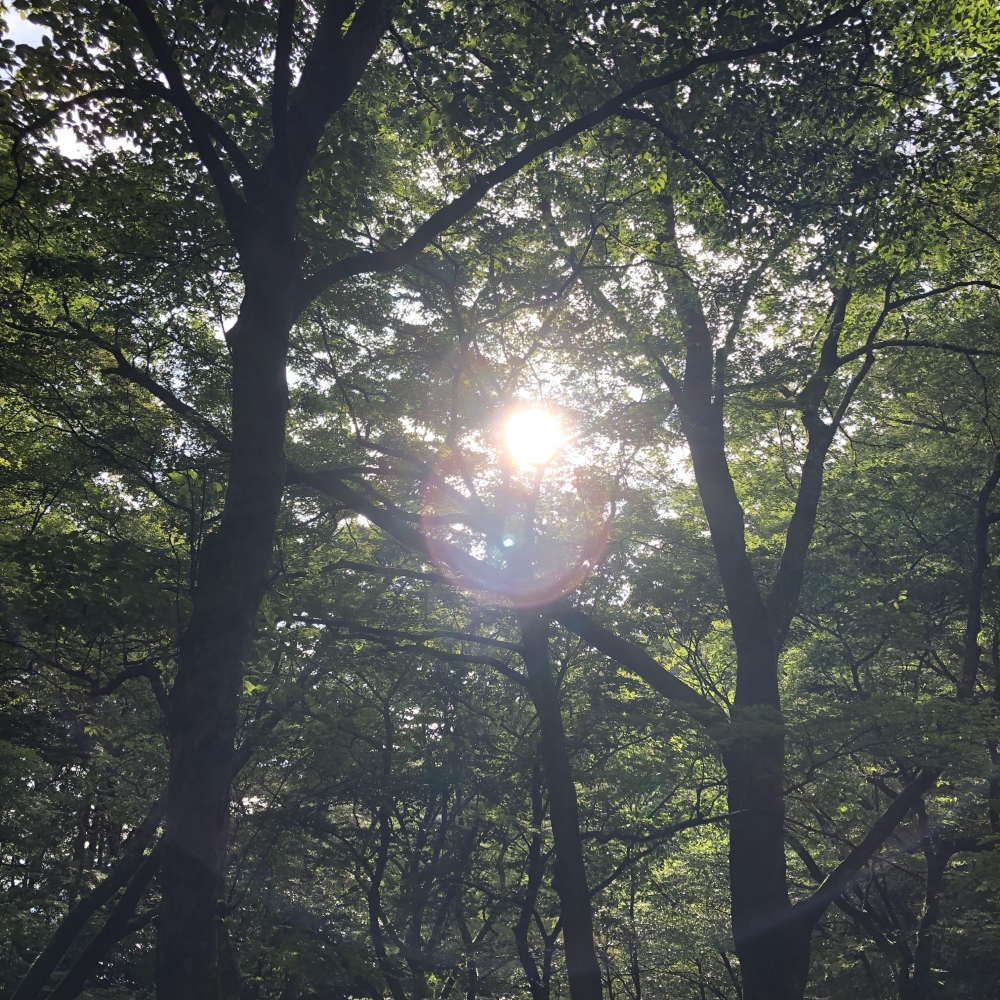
(533, 435)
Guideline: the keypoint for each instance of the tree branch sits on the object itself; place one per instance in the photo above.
(387, 639)
(375, 262)
(72, 924)
(634, 658)
(470, 571)
(144, 668)
(69, 928)
(477, 640)
(840, 879)
(115, 927)
(632, 114)
(657, 835)
(282, 81)
(233, 206)
(976, 352)
(783, 598)
(897, 949)
(394, 571)
(333, 67)
(131, 373)
(236, 155)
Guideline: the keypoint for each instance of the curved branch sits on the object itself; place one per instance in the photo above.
(632, 114)
(144, 668)
(236, 155)
(385, 638)
(233, 205)
(128, 371)
(975, 352)
(376, 262)
(419, 637)
(783, 598)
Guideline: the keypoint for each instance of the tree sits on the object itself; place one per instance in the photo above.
(267, 217)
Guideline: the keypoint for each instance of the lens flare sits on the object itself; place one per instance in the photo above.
(533, 436)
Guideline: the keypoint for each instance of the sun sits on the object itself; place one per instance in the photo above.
(533, 435)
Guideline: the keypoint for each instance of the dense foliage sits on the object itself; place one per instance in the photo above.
(704, 706)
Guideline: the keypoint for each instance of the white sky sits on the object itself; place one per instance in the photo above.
(21, 30)
(24, 32)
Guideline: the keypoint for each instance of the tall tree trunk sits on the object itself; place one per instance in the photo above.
(192, 946)
(921, 984)
(192, 943)
(582, 967)
(981, 561)
(772, 944)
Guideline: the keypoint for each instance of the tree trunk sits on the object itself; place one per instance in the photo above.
(771, 941)
(772, 944)
(981, 561)
(921, 985)
(582, 967)
(537, 860)
(192, 945)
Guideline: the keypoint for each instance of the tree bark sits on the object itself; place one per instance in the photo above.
(193, 949)
(582, 967)
(921, 985)
(192, 943)
(783, 599)
(536, 871)
(773, 947)
(771, 937)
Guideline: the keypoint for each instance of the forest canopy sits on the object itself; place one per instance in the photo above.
(499, 500)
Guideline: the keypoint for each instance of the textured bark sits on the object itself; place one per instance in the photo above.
(771, 937)
(195, 959)
(582, 967)
(772, 946)
(74, 921)
(192, 946)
